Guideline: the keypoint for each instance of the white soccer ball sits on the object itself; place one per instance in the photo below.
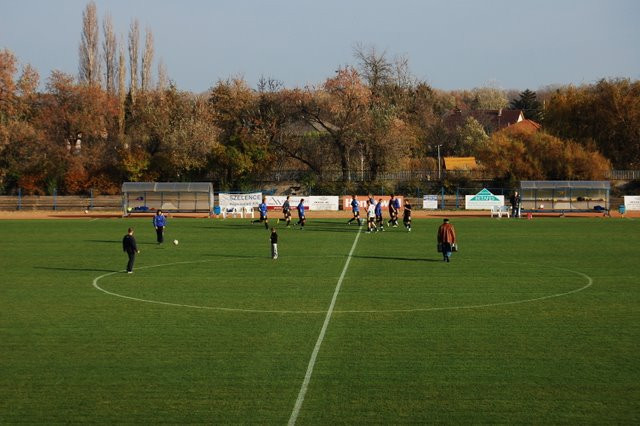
(175, 242)
(541, 206)
(86, 212)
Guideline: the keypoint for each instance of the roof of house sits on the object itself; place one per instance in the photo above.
(491, 119)
(526, 125)
(460, 163)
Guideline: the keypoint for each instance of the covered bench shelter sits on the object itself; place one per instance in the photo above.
(564, 195)
(175, 197)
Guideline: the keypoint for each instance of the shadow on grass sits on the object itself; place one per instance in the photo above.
(119, 242)
(407, 259)
(50, 268)
(235, 256)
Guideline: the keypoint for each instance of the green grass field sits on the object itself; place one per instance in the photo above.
(532, 322)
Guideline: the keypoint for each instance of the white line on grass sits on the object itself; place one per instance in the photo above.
(316, 349)
(335, 311)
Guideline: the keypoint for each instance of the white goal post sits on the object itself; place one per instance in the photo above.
(145, 197)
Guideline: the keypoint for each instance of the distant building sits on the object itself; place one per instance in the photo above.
(525, 126)
(460, 163)
(491, 119)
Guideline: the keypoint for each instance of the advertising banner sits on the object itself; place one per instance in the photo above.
(483, 200)
(430, 202)
(311, 202)
(632, 202)
(362, 201)
(227, 200)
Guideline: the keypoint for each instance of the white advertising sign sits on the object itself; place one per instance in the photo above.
(312, 202)
(323, 202)
(483, 200)
(430, 202)
(632, 202)
(227, 200)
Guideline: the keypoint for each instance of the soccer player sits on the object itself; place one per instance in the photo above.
(355, 210)
(262, 207)
(274, 243)
(159, 222)
(129, 246)
(379, 219)
(301, 218)
(393, 212)
(406, 215)
(286, 211)
(371, 217)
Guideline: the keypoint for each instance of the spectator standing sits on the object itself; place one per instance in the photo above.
(446, 239)
(515, 204)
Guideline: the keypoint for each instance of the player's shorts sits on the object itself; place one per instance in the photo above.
(356, 213)
(263, 216)
(287, 213)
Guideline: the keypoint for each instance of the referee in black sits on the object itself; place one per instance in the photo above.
(129, 246)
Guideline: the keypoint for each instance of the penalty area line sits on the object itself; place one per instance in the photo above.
(316, 349)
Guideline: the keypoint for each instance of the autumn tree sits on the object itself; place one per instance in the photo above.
(515, 156)
(147, 59)
(109, 52)
(245, 143)
(89, 68)
(605, 115)
(340, 108)
(134, 41)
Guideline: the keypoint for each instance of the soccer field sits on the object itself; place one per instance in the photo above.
(533, 321)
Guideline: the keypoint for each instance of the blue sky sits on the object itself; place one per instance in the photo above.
(451, 44)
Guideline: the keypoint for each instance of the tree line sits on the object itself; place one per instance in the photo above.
(96, 130)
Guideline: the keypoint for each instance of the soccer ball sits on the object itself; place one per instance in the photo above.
(175, 242)
(86, 212)
(541, 206)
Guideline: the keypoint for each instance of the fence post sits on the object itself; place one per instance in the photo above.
(457, 197)
(19, 198)
(91, 199)
(442, 189)
(55, 198)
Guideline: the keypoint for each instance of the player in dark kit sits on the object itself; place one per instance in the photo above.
(286, 211)
(301, 219)
(262, 207)
(355, 209)
(159, 222)
(393, 211)
(406, 215)
(129, 246)
(379, 219)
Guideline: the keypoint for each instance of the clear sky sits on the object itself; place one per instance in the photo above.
(451, 44)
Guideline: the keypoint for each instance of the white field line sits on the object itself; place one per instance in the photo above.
(335, 311)
(316, 349)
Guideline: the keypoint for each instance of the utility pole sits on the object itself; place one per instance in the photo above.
(439, 170)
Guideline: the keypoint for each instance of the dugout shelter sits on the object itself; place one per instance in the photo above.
(565, 195)
(176, 197)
